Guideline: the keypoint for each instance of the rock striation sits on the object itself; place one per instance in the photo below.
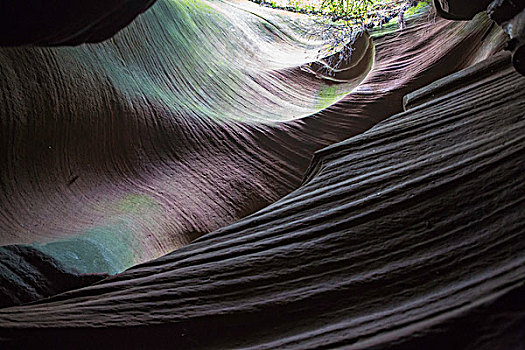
(116, 153)
(241, 184)
(407, 236)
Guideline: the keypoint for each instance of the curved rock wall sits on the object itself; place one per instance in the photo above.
(116, 153)
(408, 236)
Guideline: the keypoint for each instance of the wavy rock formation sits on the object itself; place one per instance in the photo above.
(194, 116)
(205, 117)
(407, 236)
(138, 146)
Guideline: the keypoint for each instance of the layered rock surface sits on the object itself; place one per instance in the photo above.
(187, 120)
(201, 113)
(409, 235)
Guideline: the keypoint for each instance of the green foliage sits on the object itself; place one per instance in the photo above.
(420, 7)
(352, 8)
(361, 12)
(368, 11)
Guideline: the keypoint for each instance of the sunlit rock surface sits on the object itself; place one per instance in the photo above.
(194, 116)
(123, 151)
(409, 235)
